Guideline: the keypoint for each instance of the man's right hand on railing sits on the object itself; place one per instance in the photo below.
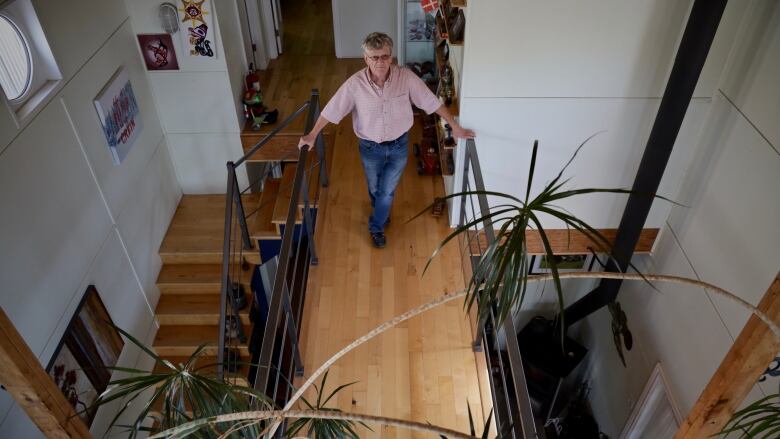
(310, 138)
(307, 140)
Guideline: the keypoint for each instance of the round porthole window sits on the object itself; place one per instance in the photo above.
(15, 64)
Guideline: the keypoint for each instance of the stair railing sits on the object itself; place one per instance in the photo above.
(297, 252)
(511, 401)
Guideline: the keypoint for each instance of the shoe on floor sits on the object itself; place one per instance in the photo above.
(379, 239)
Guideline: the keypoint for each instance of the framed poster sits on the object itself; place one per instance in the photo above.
(197, 32)
(565, 263)
(90, 345)
(158, 51)
(119, 115)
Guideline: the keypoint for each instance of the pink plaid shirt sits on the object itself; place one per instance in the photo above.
(381, 114)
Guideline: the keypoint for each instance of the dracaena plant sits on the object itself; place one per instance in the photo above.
(182, 397)
(500, 278)
(325, 428)
(177, 394)
(758, 420)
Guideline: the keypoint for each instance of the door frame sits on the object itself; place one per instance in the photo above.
(266, 29)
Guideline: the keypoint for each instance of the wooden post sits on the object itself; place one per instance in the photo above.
(32, 388)
(748, 358)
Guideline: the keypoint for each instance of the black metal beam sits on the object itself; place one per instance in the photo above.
(695, 46)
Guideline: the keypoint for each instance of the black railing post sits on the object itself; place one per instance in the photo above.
(292, 331)
(226, 284)
(240, 213)
(472, 161)
(689, 61)
(520, 388)
(308, 223)
(280, 280)
(319, 143)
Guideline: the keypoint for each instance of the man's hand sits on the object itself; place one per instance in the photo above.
(307, 140)
(461, 133)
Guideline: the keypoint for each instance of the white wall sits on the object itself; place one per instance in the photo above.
(728, 236)
(354, 19)
(560, 72)
(198, 104)
(71, 217)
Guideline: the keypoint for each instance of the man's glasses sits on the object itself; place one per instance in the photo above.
(380, 58)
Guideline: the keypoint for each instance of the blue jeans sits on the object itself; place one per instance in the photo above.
(384, 164)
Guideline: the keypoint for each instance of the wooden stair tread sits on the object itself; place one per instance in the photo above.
(196, 233)
(193, 309)
(286, 188)
(283, 147)
(263, 226)
(190, 274)
(182, 340)
(285, 195)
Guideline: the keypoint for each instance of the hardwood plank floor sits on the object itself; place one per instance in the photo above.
(424, 369)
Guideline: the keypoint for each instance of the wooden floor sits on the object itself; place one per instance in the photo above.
(424, 369)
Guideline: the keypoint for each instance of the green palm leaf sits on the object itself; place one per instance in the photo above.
(499, 281)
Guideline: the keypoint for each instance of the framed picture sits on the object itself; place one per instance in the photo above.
(119, 115)
(158, 51)
(90, 345)
(565, 263)
(655, 415)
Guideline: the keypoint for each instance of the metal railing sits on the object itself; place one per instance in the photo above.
(511, 401)
(274, 333)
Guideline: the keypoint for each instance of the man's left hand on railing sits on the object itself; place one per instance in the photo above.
(462, 133)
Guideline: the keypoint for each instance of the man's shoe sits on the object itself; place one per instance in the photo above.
(379, 239)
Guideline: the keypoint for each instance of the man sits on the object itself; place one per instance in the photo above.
(380, 98)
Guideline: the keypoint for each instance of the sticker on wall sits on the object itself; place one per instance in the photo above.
(158, 52)
(119, 114)
(197, 32)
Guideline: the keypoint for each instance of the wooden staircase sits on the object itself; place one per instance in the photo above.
(190, 280)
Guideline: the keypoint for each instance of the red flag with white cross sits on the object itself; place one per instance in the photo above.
(430, 6)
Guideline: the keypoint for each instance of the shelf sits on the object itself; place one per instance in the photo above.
(459, 3)
(441, 20)
(454, 107)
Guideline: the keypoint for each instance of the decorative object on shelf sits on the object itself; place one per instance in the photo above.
(119, 114)
(444, 50)
(89, 347)
(254, 109)
(429, 6)
(196, 38)
(447, 86)
(457, 26)
(438, 206)
(158, 52)
(448, 139)
(428, 158)
(169, 17)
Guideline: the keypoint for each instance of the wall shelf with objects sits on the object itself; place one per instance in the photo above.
(451, 21)
(447, 145)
